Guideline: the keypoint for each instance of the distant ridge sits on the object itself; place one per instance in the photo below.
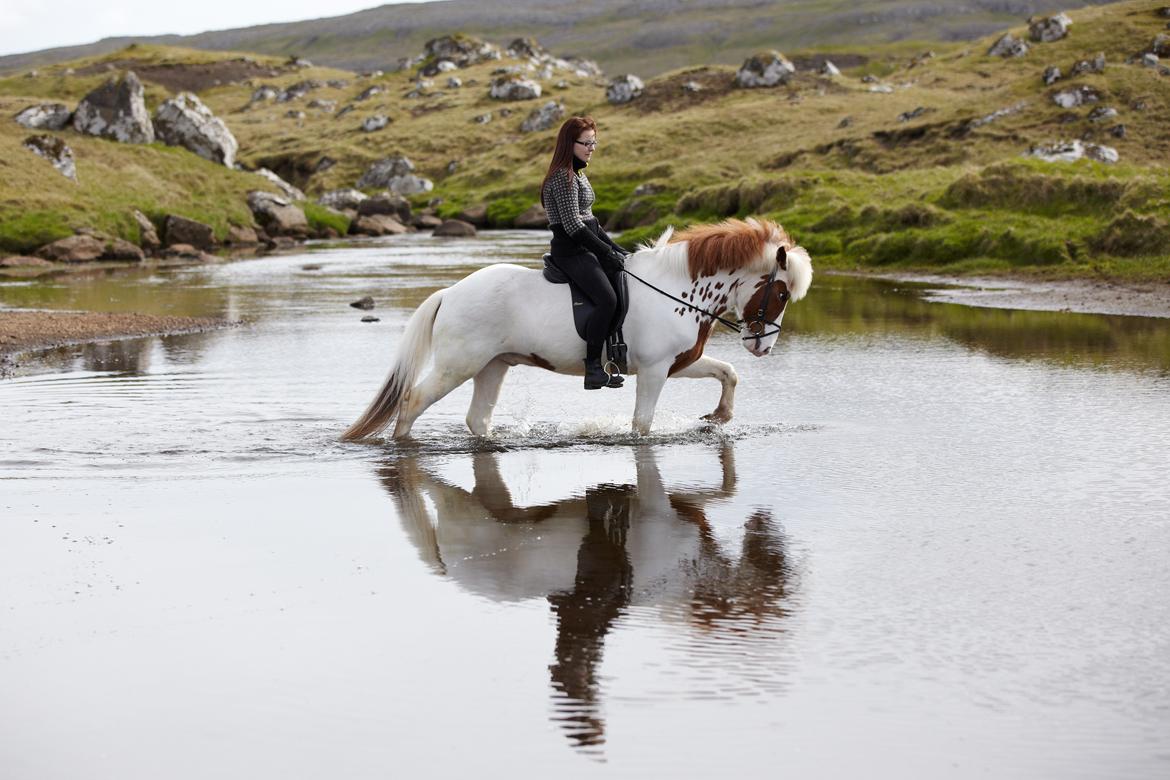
(646, 38)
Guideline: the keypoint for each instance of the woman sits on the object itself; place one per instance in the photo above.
(580, 248)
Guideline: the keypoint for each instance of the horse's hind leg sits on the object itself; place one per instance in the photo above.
(710, 367)
(487, 391)
(437, 384)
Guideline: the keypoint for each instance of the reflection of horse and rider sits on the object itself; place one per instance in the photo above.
(617, 547)
(504, 315)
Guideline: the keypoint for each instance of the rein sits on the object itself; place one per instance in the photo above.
(757, 323)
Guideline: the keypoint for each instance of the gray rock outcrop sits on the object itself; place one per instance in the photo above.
(342, 199)
(462, 51)
(1008, 46)
(1095, 65)
(1048, 29)
(180, 230)
(767, 69)
(1161, 45)
(1051, 75)
(375, 123)
(829, 69)
(543, 118)
(116, 110)
(46, 116)
(624, 88)
(394, 174)
(1077, 96)
(277, 215)
(184, 121)
(286, 189)
(1071, 151)
(386, 203)
(513, 87)
(56, 151)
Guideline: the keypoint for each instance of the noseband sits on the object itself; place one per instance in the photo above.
(757, 326)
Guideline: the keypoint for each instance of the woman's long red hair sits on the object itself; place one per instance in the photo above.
(562, 159)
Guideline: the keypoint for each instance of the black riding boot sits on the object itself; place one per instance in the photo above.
(595, 376)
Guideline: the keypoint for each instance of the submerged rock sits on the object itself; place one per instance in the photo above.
(455, 228)
(365, 303)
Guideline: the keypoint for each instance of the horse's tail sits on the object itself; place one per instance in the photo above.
(412, 355)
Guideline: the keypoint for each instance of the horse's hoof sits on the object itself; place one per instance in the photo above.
(717, 417)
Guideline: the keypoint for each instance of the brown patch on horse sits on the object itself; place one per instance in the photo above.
(684, 359)
(776, 304)
(728, 246)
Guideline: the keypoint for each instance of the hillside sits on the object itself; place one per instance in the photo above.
(911, 159)
(647, 38)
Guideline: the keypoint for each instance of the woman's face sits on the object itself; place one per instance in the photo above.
(585, 144)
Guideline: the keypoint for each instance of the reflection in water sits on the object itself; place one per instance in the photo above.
(594, 558)
(131, 357)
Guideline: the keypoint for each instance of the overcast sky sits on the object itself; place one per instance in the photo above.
(30, 25)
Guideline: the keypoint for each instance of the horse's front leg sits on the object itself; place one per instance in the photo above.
(706, 367)
(650, 382)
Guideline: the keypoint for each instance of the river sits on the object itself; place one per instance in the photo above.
(933, 542)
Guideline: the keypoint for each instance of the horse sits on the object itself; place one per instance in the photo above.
(505, 315)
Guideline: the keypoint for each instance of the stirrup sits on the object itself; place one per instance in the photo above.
(615, 376)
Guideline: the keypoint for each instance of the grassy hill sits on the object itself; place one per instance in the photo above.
(648, 37)
(862, 178)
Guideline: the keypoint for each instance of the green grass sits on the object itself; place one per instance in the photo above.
(320, 218)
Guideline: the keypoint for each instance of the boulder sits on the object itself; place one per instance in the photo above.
(46, 116)
(377, 225)
(1161, 45)
(147, 235)
(1077, 96)
(74, 249)
(370, 318)
(1105, 154)
(425, 221)
(386, 203)
(23, 261)
(298, 90)
(1008, 46)
(184, 121)
(264, 93)
(583, 67)
(543, 118)
(1048, 29)
(187, 252)
(180, 230)
(1051, 75)
(474, 215)
(328, 106)
(374, 123)
(56, 151)
(394, 174)
(513, 87)
(766, 69)
(1095, 65)
(460, 50)
(342, 199)
(242, 236)
(455, 228)
(1150, 60)
(829, 69)
(277, 215)
(535, 218)
(116, 110)
(364, 303)
(623, 89)
(526, 49)
(1101, 113)
(454, 82)
(286, 189)
(119, 249)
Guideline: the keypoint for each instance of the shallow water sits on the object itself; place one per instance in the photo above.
(932, 543)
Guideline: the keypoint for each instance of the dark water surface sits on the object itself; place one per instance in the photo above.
(933, 542)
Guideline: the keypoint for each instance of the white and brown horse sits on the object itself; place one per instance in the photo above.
(505, 315)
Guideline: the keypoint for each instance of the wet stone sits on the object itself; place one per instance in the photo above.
(365, 303)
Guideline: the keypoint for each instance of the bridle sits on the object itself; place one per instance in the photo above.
(757, 326)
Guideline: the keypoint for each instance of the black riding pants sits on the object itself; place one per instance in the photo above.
(586, 272)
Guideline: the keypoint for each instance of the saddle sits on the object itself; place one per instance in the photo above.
(615, 345)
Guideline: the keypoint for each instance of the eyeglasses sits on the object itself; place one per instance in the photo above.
(589, 144)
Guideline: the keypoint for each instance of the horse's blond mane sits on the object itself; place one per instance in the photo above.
(729, 245)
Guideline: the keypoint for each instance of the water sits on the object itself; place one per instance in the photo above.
(932, 543)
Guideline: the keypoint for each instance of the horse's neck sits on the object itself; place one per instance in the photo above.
(713, 293)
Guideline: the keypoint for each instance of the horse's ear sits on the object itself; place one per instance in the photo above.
(782, 258)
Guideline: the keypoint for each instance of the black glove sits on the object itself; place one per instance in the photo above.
(615, 260)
